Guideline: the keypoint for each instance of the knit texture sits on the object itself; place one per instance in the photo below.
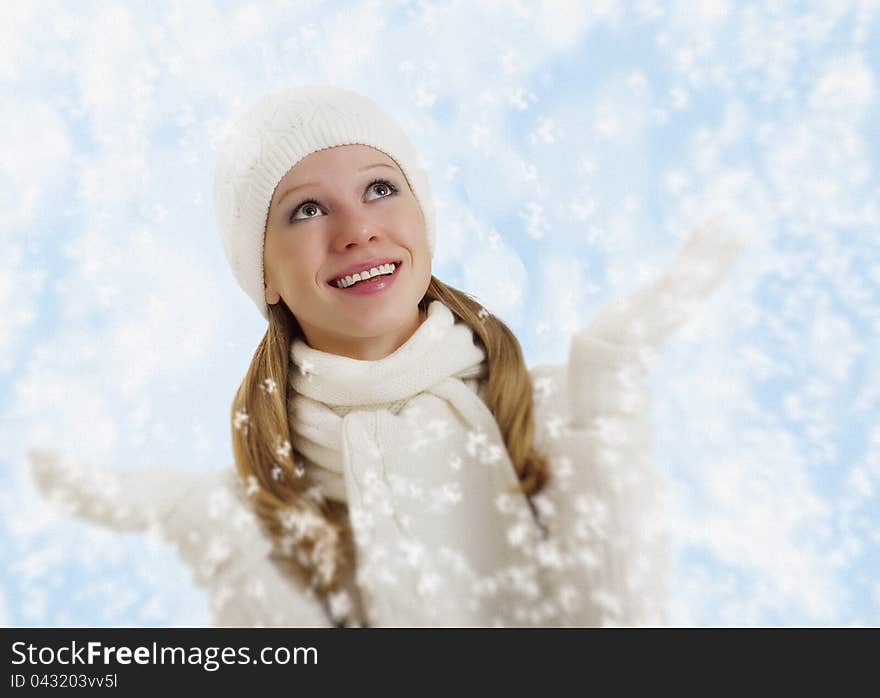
(443, 536)
(325, 388)
(281, 129)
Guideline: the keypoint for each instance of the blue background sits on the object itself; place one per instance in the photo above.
(571, 147)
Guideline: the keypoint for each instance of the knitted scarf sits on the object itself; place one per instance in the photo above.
(443, 535)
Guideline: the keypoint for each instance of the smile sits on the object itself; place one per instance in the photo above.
(372, 286)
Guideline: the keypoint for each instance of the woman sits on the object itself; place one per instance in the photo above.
(398, 464)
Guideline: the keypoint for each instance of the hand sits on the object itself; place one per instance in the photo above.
(609, 359)
(204, 515)
(644, 319)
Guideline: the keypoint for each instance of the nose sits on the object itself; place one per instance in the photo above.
(354, 228)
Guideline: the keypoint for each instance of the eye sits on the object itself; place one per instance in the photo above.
(307, 205)
(383, 184)
(310, 205)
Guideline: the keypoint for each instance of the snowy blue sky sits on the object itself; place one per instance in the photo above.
(571, 146)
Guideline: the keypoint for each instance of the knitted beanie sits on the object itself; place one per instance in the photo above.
(281, 129)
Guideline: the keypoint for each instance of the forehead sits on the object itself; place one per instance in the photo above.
(336, 161)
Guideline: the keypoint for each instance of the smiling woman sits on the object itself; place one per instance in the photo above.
(354, 202)
(396, 463)
(352, 224)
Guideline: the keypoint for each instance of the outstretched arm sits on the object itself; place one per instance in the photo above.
(605, 503)
(204, 516)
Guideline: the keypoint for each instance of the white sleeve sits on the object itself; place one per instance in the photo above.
(204, 515)
(605, 504)
(603, 508)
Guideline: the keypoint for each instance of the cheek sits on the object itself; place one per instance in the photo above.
(411, 222)
(302, 267)
(290, 263)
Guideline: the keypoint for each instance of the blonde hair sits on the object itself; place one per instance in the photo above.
(313, 539)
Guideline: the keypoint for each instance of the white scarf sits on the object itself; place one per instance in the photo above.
(442, 534)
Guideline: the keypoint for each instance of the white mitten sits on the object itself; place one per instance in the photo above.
(205, 516)
(609, 359)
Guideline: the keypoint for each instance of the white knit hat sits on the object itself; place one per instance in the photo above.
(280, 130)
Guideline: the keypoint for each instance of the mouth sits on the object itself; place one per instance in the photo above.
(379, 282)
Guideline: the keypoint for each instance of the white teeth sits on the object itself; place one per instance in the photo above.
(347, 281)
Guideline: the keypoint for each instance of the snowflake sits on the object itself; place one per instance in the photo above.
(549, 554)
(455, 559)
(305, 525)
(340, 604)
(257, 590)
(283, 450)
(440, 427)
(504, 503)
(288, 519)
(386, 577)
(481, 587)
(386, 507)
(516, 534)
(607, 600)
(413, 552)
(568, 597)
(473, 440)
(218, 551)
(563, 468)
(277, 473)
(218, 503)
(221, 597)
(269, 386)
(429, 583)
(588, 558)
(524, 580)
(241, 419)
(307, 369)
(361, 520)
(314, 493)
(416, 442)
(493, 454)
(243, 520)
(545, 506)
(544, 387)
(253, 486)
(451, 493)
(556, 426)
(286, 544)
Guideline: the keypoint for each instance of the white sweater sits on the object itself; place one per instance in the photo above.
(603, 507)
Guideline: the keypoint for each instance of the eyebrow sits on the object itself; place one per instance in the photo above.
(311, 184)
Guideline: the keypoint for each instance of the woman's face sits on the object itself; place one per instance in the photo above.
(351, 219)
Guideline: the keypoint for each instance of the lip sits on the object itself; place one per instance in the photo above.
(383, 284)
(363, 266)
